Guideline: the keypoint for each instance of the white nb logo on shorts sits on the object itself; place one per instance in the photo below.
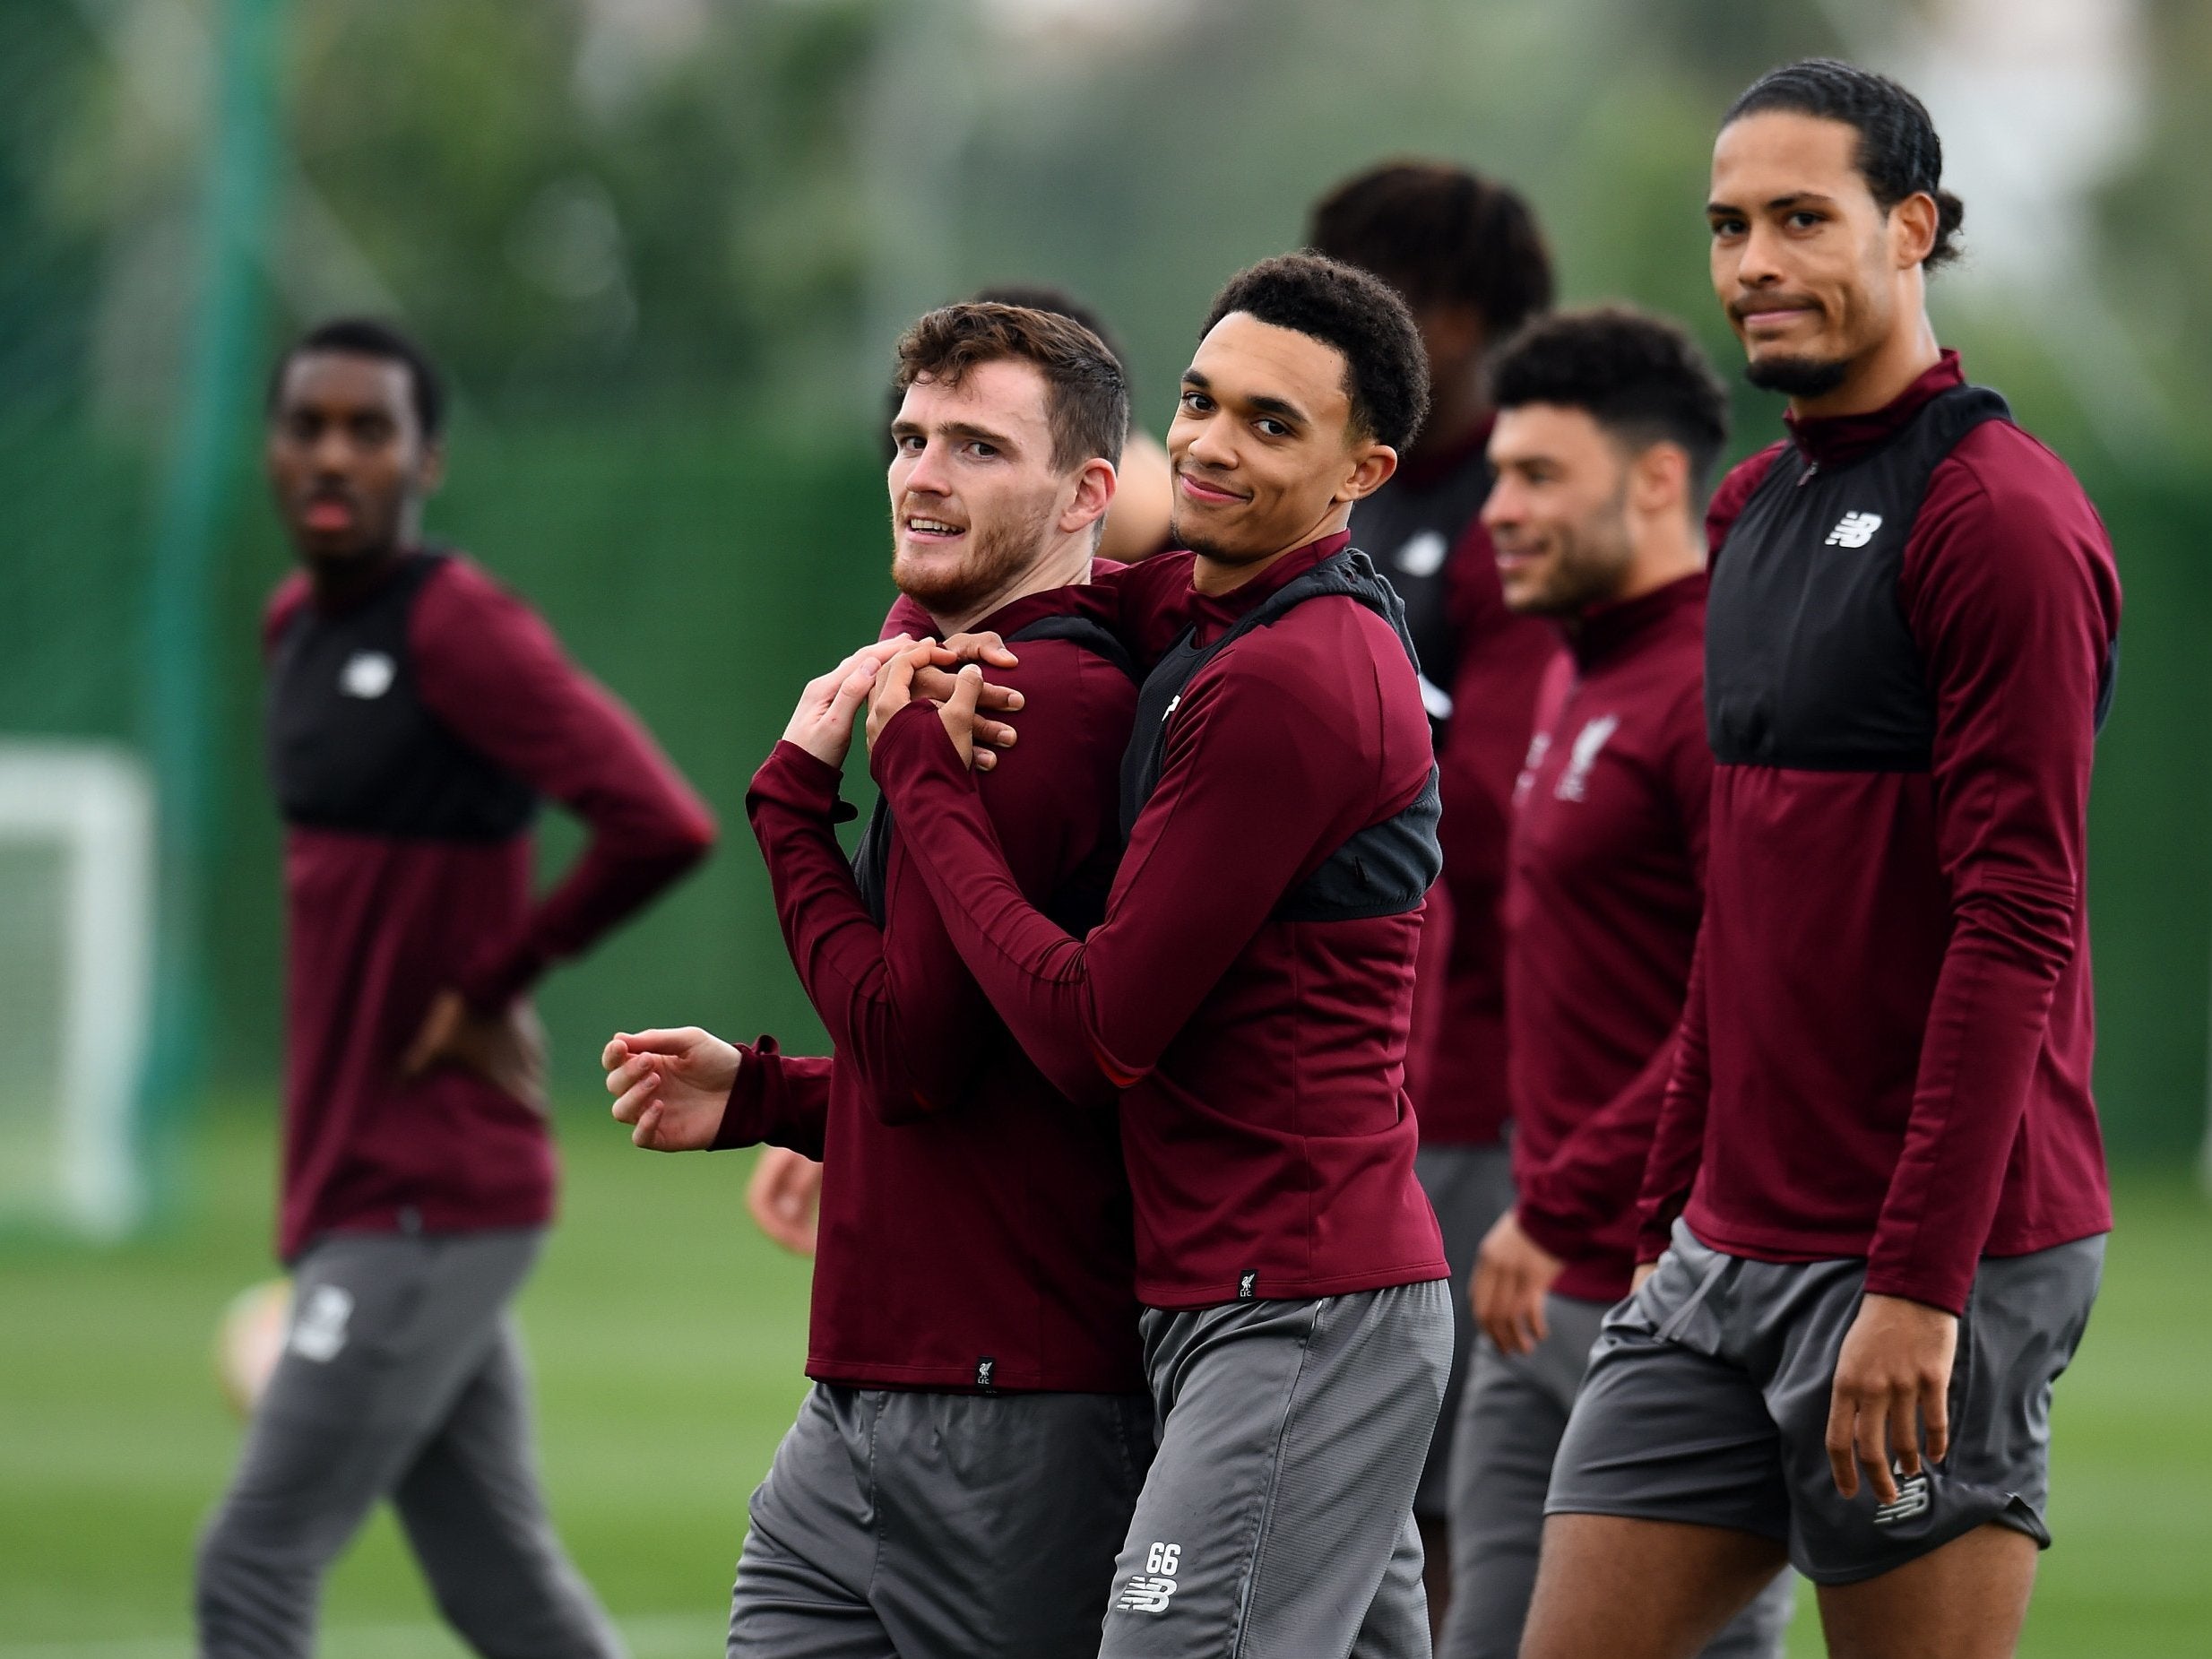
(1855, 531)
(1150, 1591)
(319, 1329)
(1913, 1498)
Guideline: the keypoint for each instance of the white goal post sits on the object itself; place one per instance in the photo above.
(76, 931)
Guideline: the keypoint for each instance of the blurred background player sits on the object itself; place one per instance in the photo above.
(1609, 423)
(784, 1194)
(1248, 993)
(961, 1475)
(1878, 1152)
(1465, 253)
(417, 714)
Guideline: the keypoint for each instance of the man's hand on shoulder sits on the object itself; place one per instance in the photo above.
(1893, 1380)
(924, 674)
(822, 723)
(506, 1048)
(670, 1086)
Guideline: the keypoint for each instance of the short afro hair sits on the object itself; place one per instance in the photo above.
(1087, 394)
(1640, 378)
(1899, 153)
(1385, 370)
(361, 336)
(1441, 235)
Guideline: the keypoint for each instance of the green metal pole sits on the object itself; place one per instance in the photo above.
(219, 394)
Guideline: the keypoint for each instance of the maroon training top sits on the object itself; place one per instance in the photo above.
(975, 1227)
(1457, 1072)
(411, 734)
(1886, 1050)
(1602, 911)
(1264, 1123)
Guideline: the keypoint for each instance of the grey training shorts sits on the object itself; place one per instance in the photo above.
(1277, 1520)
(1469, 1188)
(1707, 1397)
(898, 1525)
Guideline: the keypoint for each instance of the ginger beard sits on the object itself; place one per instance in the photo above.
(949, 579)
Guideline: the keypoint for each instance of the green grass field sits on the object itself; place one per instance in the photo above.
(668, 1338)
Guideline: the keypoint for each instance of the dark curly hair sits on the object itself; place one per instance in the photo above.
(1899, 153)
(1385, 370)
(1087, 396)
(1640, 378)
(361, 336)
(1439, 234)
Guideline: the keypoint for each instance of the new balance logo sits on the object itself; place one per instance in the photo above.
(1913, 1498)
(1856, 530)
(319, 1328)
(1172, 702)
(1149, 1591)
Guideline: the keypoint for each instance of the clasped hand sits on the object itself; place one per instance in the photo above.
(890, 674)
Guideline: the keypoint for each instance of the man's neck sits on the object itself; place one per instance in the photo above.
(1880, 378)
(1062, 565)
(340, 584)
(1672, 552)
(1215, 576)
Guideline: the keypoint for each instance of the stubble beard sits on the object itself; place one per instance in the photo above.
(1798, 376)
(1001, 554)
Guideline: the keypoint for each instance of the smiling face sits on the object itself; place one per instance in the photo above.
(1265, 454)
(975, 499)
(1558, 515)
(1815, 276)
(346, 457)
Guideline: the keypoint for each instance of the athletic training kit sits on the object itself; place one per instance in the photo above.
(1882, 1081)
(1249, 992)
(1424, 530)
(961, 1477)
(411, 736)
(1602, 910)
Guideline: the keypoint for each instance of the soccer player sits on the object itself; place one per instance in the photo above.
(418, 712)
(961, 1475)
(1878, 1117)
(1250, 990)
(1468, 256)
(1609, 423)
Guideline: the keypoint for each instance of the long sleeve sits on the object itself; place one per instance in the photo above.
(899, 1006)
(779, 1100)
(492, 671)
(2014, 608)
(1253, 791)
(1678, 1141)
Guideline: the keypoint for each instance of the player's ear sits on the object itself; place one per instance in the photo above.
(1095, 482)
(1912, 226)
(432, 472)
(1372, 463)
(1659, 477)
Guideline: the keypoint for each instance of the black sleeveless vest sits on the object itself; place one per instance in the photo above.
(1810, 662)
(351, 745)
(1075, 912)
(1385, 870)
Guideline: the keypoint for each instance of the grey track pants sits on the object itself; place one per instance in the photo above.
(402, 1377)
(1277, 1520)
(1511, 1418)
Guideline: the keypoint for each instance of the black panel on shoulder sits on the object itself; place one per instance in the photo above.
(1810, 662)
(1385, 870)
(351, 745)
